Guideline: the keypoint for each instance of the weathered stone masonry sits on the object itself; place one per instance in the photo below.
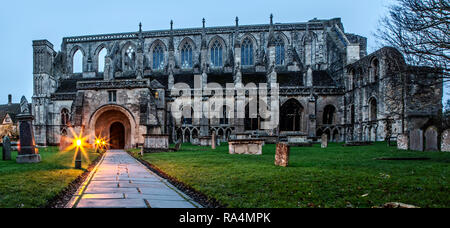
(328, 83)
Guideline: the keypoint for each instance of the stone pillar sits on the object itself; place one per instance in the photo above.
(213, 140)
(282, 155)
(312, 116)
(6, 149)
(28, 152)
(309, 77)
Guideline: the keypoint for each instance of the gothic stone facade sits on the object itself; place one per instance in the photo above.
(328, 83)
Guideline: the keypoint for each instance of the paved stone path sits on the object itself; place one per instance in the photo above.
(121, 181)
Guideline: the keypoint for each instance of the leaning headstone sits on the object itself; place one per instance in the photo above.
(416, 140)
(282, 155)
(445, 141)
(28, 153)
(324, 141)
(6, 149)
(213, 140)
(402, 142)
(431, 136)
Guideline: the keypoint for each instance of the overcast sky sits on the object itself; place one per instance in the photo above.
(24, 21)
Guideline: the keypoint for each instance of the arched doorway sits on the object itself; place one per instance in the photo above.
(117, 136)
(291, 116)
(116, 125)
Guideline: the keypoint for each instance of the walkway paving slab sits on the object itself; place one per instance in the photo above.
(120, 181)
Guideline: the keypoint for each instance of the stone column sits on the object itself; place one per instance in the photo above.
(28, 152)
(312, 116)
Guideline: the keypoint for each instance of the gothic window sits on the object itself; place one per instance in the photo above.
(77, 62)
(224, 119)
(247, 52)
(328, 115)
(279, 51)
(188, 114)
(186, 56)
(158, 57)
(101, 59)
(375, 70)
(129, 60)
(65, 118)
(291, 114)
(373, 109)
(216, 54)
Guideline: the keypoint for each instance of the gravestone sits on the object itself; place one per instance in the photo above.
(402, 142)
(213, 140)
(64, 143)
(324, 141)
(431, 136)
(28, 153)
(416, 140)
(445, 141)
(6, 149)
(282, 155)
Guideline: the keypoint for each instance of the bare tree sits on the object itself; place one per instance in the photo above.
(420, 30)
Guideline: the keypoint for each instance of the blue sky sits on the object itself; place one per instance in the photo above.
(23, 21)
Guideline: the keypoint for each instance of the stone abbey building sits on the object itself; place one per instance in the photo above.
(328, 83)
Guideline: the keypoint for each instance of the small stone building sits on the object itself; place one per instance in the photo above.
(8, 122)
(328, 83)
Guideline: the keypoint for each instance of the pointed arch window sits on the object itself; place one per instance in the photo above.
(101, 59)
(65, 118)
(77, 62)
(216, 54)
(158, 57)
(186, 56)
(247, 52)
(279, 51)
(130, 57)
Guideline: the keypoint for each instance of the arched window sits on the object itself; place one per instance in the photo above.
(279, 51)
(101, 59)
(216, 54)
(65, 118)
(375, 70)
(186, 56)
(247, 52)
(328, 114)
(129, 58)
(373, 109)
(188, 114)
(291, 114)
(224, 119)
(158, 57)
(77, 62)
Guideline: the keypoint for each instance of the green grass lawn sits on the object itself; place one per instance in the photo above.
(34, 185)
(333, 177)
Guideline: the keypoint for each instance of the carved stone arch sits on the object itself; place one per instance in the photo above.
(372, 102)
(374, 69)
(283, 36)
(72, 52)
(252, 38)
(220, 39)
(309, 36)
(97, 51)
(189, 41)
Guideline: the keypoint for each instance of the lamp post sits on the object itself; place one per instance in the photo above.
(78, 154)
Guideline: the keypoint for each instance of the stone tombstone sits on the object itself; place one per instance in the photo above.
(64, 143)
(213, 140)
(445, 141)
(28, 153)
(402, 142)
(416, 140)
(431, 139)
(282, 155)
(324, 141)
(6, 149)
